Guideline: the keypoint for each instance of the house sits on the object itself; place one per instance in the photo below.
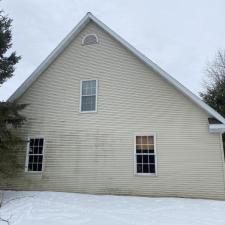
(104, 119)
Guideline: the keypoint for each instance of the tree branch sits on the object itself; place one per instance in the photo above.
(5, 220)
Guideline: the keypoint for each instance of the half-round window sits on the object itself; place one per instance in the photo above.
(90, 39)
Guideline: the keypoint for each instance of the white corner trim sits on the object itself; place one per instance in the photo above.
(67, 40)
(216, 128)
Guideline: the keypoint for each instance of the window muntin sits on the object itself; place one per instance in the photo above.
(35, 155)
(88, 95)
(145, 159)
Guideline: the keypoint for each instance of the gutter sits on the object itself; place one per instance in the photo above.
(217, 128)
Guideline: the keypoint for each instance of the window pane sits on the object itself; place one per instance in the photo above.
(41, 142)
(151, 147)
(84, 84)
(34, 167)
(93, 83)
(152, 168)
(89, 87)
(139, 168)
(139, 158)
(150, 140)
(88, 103)
(31, 142)
(145, 168)
(36, 150)
(84, 91)
(31, 150)
(144, 140)
(31, 159)
(151, 159)
(35, 158)
(40, 150)
(30, 167)
(93, 91)
(145, 158)
(36, 142)
(138, 147)
(85, 87)
(89, 91)
(151, 151)
(144, 147)
(39, 167)
(138, 140)
(40, 158)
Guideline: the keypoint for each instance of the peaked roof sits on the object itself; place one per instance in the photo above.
(70, 37)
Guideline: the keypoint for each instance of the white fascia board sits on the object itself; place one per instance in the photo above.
(216, 128)
(58, 50)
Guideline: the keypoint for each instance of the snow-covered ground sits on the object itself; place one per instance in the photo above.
(53, 208)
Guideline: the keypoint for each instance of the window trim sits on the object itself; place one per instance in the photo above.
(155, 153)
(27, 155)
(96, 97)
(82, 42)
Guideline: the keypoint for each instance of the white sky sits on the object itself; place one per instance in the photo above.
(180, 36)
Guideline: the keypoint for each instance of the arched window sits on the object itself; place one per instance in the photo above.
(90, 39)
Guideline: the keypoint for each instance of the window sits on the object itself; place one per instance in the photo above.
(88, 96)
(90, 39)
(145, 154)
(35, 155)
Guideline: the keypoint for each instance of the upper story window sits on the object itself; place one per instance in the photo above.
(34, 161)
(90, 39)
(88, 98)
(145, 154)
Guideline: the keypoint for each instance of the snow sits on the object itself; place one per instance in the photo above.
(56, 208)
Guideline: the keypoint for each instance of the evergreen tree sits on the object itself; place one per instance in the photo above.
(10, 117)
(214, 93)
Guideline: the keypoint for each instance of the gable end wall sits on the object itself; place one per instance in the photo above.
(94, 152)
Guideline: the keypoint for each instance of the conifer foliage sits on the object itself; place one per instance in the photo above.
(10, 116)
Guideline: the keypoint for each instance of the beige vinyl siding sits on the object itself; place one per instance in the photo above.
(94, 152)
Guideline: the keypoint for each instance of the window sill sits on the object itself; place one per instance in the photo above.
(88, 112)
(146, 174)
(34, 172)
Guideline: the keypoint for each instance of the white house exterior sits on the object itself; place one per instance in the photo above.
(104, 119)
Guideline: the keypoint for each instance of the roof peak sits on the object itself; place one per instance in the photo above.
(70, 37)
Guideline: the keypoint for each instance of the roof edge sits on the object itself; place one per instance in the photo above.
(160, 71)
(216, 128)
(50, 58)
(66, 41)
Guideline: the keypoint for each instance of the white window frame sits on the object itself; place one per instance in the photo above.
(96, 96)
(87, 36)
(27, 155)
(155, 153)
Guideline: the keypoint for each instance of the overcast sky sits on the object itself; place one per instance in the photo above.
(180, 36)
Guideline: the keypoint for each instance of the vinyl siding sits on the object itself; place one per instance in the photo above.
(94, 152)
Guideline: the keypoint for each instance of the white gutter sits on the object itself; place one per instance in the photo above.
(217, 128)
